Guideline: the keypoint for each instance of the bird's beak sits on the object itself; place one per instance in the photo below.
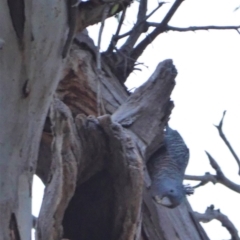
(165, 201)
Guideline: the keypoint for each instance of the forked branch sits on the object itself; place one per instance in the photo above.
(225, 140)
(218, 178)
(211, 214)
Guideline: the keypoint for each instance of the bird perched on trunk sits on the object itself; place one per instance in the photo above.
(167, 167)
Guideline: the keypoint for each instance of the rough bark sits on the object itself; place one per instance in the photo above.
(112, 152)
(110, 155)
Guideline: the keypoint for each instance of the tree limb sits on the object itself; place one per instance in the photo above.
(218, 178)
(193, 28)
(137, 29)
(100, 106)
(197, 28)
(211, 214)
(115, 37)
(138, 50)
(223, 137)
(204, 179)
(120, 65)
(123, 65)
(144, 20)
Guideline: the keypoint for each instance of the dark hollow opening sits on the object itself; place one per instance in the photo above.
(89, 215)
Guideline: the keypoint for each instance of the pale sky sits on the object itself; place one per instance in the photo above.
(208, 83)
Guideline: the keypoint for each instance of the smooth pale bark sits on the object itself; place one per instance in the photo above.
(30, 68)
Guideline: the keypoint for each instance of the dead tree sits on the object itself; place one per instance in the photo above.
(66, 116)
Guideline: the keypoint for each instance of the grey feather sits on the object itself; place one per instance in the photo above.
(167, 167)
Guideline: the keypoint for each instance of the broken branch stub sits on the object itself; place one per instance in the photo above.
(147, 110)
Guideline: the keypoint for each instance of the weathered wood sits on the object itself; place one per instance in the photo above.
(78, 88)
(81, 149)
(147, 110)
(126, 168)
(145, 114)
(103, 162)
(63, 174)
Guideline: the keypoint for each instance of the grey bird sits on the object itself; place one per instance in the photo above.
(167, 167)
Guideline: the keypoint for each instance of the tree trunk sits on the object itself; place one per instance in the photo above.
(99, 187)
(30, 68)
(94, 167)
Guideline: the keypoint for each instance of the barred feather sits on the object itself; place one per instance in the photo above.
(167, 167)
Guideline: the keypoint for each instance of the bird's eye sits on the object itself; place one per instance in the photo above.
(171, 191)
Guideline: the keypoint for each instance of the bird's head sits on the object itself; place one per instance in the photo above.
(170, 193)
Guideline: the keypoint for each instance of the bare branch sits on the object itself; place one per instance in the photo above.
(163, 26)
(153, 24)
(211, 214)
(105, 13)
(194, 28)
(154, 10)
(138, 50)
(140, 27)
(137, 30)
(171, 12)
(115, 37)
(124, 35)
(223, 137)
(221, 178)
(122, 66)
(203, 179)
(100, 107)
(218, 178)
(197, 28)
(144, 20)
(142, 10)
